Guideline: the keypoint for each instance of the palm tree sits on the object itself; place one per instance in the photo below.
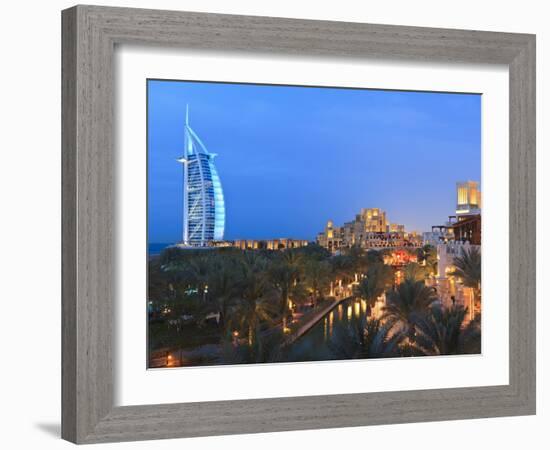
(342, 267)
(374, 256)
(222, 288)
(468, 268)
(197, 269)
(415, 272)
(427, 256)
(293, 259)
(267, 348)
(257, 298)
(313, 251)
(317, 275)
(172, 256)
(364, 338)
(379, 278)
(441, 332)
(357, 260)
(406, 303)
(285, 272)
(157, 283)
(283, 275)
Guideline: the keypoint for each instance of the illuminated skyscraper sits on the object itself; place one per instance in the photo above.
(203, 203)
(468, 198)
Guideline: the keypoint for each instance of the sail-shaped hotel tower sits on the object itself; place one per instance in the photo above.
(203, 203)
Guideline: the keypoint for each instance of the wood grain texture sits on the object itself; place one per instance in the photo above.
(68, 225)
(89, 37)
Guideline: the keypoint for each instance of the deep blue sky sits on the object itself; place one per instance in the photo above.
(290, 158)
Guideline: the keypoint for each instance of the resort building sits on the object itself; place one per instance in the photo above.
(203, 203)
(468, 198)
(465, 226)
(332, 238)
(439, 234)
(468, 229)
(413, 238)
(258, 244)
(450, 289)
(396, 228)
(369, 230)
(272, 244)
(459, 233)
(436, 236)
(399, 258)
(372, 219)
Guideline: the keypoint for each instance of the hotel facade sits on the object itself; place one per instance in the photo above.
(460, 233)
(262, 244)
(468, 198)
(465, 224)
(369, 230)
(203, 201)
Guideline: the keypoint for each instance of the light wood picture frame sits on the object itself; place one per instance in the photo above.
(90, 34)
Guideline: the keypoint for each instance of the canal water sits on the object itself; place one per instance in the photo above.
(314, 342)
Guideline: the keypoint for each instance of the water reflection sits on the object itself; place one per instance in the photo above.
(354, 308)
(316, 342)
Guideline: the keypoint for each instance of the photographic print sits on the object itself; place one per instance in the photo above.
(301, 223)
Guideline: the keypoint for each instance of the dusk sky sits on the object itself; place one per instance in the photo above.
(290, 158)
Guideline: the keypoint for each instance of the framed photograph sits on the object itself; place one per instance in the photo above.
(278, 224)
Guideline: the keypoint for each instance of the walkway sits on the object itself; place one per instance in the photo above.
(304, 328)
